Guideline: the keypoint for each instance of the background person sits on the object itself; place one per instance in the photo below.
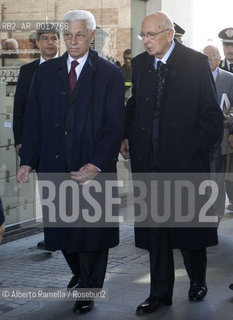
(221, 157)
(48, 43)
(226, 35)
(179, 32)
(127, 72)
(11, 46)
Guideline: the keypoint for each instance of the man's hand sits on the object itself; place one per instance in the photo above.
(23, 174)
(87, 172)
(125, 149)
(2, 229)
(17, 147)
(230, 140)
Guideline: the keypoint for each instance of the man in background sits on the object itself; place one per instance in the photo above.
(221, 157)
(179, 32)
(226, 35)
(48, 44)
(127, 72)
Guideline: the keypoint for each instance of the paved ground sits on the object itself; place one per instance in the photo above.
(22, 265)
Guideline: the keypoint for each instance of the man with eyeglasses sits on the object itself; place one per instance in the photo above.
(222, 154)
(74, 125)
(221, 157)
(179, 32)
(226, 35)
(47, 41)
(172, 121)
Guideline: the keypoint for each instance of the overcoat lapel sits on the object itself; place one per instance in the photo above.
(62, 73)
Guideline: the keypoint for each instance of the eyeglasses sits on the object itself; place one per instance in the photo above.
(77, 37)
(149, 35)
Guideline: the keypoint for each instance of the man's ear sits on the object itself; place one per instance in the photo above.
(93, 35)
(38, 44)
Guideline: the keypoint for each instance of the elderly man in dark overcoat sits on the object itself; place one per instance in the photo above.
(74, 123)
(172, 121)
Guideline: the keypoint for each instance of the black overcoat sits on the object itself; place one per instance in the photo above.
(190, 122)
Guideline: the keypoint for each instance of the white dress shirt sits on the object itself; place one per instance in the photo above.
(80, 66)
(215, 74)
(43, 60)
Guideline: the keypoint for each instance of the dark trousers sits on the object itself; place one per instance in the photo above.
(195, 263)
(162, 266)
(90, 266)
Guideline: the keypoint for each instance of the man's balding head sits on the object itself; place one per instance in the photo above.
(213, 55)
(157, 33)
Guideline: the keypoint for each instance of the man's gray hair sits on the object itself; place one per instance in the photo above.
(75, 15)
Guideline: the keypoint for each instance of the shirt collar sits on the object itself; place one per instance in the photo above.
(43, 60)
(166, 56)
(215, 73)
(81, 60)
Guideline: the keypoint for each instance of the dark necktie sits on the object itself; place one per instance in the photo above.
(231, 67)
(72, 76)
(159, 82)
(160, 77)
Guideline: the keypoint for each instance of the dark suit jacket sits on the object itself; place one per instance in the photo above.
(190, 122)
(96, 135)
(21, 94)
